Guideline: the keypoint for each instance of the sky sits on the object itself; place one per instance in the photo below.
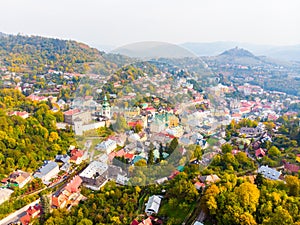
(120, 22)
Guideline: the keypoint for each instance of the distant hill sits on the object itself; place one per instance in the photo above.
(148, 50)
(39, 54)
(237, 52)
(286, 53)
(237, 56)
(242, 56)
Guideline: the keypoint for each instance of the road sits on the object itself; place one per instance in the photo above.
(14, 217)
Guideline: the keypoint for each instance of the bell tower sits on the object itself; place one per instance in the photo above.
(106, 108)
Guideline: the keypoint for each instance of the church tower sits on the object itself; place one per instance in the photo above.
(106, 108)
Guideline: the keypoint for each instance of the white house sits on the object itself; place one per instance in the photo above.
(153, 204)
(20, 178)
(269, 173)
(49, 170)
(107, 146)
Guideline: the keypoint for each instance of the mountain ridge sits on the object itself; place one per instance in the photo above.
(286, 53)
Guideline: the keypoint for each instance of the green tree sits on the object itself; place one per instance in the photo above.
(226, 148)
(293, 184)
(248, 196)
(198, 152)
(151, 157)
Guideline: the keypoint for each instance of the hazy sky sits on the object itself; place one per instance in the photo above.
(118, 22)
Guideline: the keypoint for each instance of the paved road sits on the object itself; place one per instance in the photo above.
(17, 214)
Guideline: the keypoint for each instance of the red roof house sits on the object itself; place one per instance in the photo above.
(259, 153)
(291, 167)
(74, 184)
(31, 212)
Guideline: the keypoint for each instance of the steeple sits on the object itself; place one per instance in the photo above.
(106, 108)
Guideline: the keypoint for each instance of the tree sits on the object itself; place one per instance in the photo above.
(280, 216)
(226, 148)
(45, 202)
(274, 152)
(173, 145)
(151, 157)
(85, 221)
(247, 219)
(141, 162)
(248, 196)
(198, 152)
(53, 137)
(120, 124)
(293, 184)
(259, 180)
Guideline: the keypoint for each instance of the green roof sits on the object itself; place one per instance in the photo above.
(180, 168)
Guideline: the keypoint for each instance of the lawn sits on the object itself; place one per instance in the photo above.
(175, 215)
(212, 141)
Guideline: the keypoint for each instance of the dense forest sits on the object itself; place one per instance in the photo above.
(34, 54)
(25, 143)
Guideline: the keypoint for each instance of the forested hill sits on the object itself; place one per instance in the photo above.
(34, 54)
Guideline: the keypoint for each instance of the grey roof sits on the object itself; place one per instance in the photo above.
(268, 172)
(45, 169)
(153, 204)
(65, 167)
(62, 158)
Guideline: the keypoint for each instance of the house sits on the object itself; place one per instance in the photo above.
(122, 179)
(36, 98)
(22, 114)
(250, 131)
(94, 175)
(293, 168)
(31, 213)
(69, 195)
(49, 170)
(209, 179)
(157, 126)
(5, 195)
(20, 178)
(161, 180)
(134, 137)
(198, 223)
(269, 173)
(175, 131)
(78, 156)
(71, 115)
(62, 158)
(107, 146)
(61, 103)
(119, 139)
(198, 185)
(153, 204)
(259, 153)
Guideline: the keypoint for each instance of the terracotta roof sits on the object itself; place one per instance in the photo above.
(25, 220)
(71, 112)
(76, 153)
(129, 156)
(236, 115)
(34, 209)
(73, 185)
(259, 152)
(121, 153)
(174, 174)
(291, 167)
